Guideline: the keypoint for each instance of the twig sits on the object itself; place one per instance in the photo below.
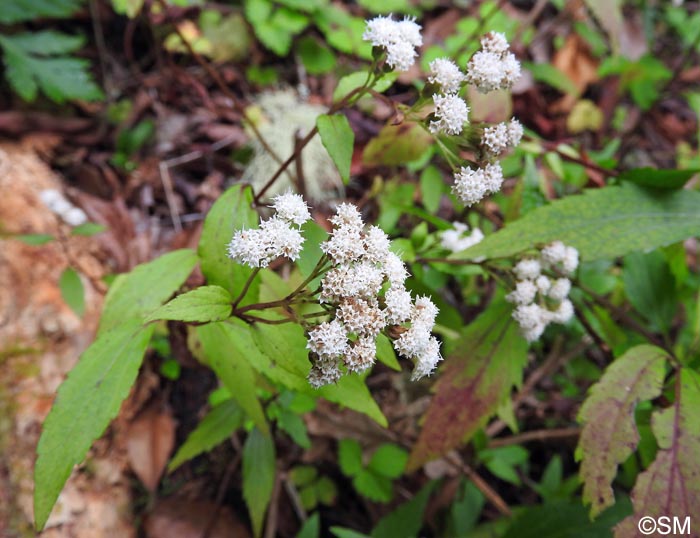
(271, 525)
(291, 490)
(535, 435)
(170, 195)
(246, 287)
(494, 498)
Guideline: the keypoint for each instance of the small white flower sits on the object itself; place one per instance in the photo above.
(413, 342)
(523, 294)
(563, 313)
(361, 354)
(457, 240)
(395, 270)
(495, 42)
(247, 247)
(469, 185)
(344, 245)
(75, 216)
(511, 71)
(291, 208)
(451, 113)
(328, 340)
(376, 245)
(401, 55)
(496, 139)
(553, 253)
(347, 216)
(493, 177)
(515, 132)
(410, 31)
(280, 239)
(361, 317)
(324, 372)
(427, 360)
(446, 74)
(570, 261)
(485, 71)
(399, 305)
(528, 269)
(543, 284)
(560, 289)
(381, 31)
(532, 320)
(424, 313)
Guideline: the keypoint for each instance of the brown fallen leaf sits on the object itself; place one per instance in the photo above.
(575, 61)
(150, 440)
(182, 518)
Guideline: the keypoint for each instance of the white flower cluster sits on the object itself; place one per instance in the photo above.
(277, 236)
(399, 38)
(493, 67)
(362, 265)
(57, 203)
(457, 240)
(451, 111)
(502, 136)
(471, 185)
(541, 300)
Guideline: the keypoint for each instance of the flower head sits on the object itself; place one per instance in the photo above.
(291, 208)
(469, 185)
(328, 340)
(457, 239)
(398, 38)
(493, 67)
(451, 113)
(446, 74)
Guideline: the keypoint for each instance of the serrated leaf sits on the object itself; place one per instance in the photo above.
(32, 64)
(388, 460)
(601, 224)
(72, 291)
(136, 294)
(659, 179)
(670, 486)
(86, 402)
(27, 10)
(487, 362)
(232, 211)
(214, 428)
(338, 139)
(609, 433)
(349, 456)
(407, 519)
(258, 476)
(206, 303)
(220, 347)
(397, 144)
(373, 486)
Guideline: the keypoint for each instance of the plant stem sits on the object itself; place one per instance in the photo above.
(246, 287)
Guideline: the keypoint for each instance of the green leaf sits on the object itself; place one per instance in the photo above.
(388, 460)
(136, 294)
(34, 62)
(232, 211)
(431, 187)
(357, 79)
(88, 229)
(221, 348)
(338, 139)
(609, 433)
(659, 179)
(487, 362)
(311, 527)
(396, 144)
(35, 240)
(72, 291)
(407, 519)
(206, 303)
(258, 476)
(350, 391)
(601, 223)
(386, 354)
(670, 486)
(303, 475)
(373, 486)
(650, 287)
(86, 402)
(214, 428)
(294, 426)
(550, 75)
(349, 457)
(341, 532)
(317, 58)
(27, 10)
